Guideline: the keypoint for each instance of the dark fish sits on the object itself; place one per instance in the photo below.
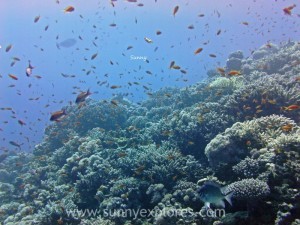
(16, 59)
(82, 96)
(8, 48)
(57, 115)
(21, 122)
(94, 56)
(172, 64)
(36, 19)
(211, 192)
(67, 43)
(115, 86)
(15, 144)
(114, 102)
(175, 10)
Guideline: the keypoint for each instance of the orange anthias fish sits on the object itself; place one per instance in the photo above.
(57, 115)
(287, 127)
(198, 51)
(176, 67)
(234, 73)
(288, 10)
(221, 71)
(82, 96)
(291, 108)
(13, 76)
(69, 9)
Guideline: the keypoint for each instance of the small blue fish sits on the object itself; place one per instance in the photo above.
(212, 193)
(66, 43)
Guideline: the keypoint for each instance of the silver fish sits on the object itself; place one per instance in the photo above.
(212, 193)
(29, 69)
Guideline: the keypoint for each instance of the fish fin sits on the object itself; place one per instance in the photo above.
(207, 205)
(228, 197)
(29, 65)
(88, 92)
(212, 183)
(221, 203)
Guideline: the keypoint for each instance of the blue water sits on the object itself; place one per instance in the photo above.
(91, 21)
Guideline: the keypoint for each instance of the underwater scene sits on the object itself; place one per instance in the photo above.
(149, 112)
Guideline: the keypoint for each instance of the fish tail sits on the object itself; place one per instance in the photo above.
(228, 197)
(88, 92)
(19, 146)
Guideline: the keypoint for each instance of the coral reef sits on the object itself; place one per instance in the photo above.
(234, 61)
(104, 162)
